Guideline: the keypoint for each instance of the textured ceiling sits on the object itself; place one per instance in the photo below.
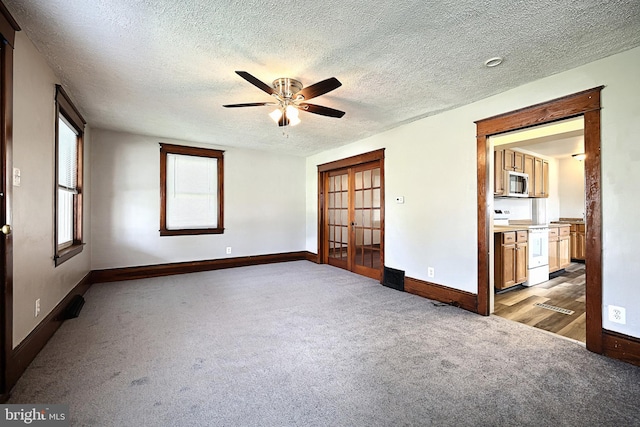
(166, 67)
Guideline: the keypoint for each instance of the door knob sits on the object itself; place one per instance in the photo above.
(6, 229)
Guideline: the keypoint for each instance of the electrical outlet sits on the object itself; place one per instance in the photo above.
(37, 307)
(617, 314)
(431, 272)
(228, 250)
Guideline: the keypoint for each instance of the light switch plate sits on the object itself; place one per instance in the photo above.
(16, 177)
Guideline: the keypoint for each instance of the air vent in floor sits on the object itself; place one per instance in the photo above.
(554, 308)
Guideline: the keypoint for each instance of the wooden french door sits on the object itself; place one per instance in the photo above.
(353, 218)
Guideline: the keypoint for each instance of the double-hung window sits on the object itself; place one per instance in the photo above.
(191, 190)
(69, 166)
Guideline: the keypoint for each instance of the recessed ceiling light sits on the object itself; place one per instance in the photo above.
(493, 62)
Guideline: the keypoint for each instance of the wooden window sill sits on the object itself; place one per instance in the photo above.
(66, 254)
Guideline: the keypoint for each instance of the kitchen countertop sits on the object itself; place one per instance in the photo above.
(568, 221)
(503, 228)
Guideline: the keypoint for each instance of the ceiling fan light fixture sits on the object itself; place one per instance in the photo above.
(292, 115)
(276, 115)
(289, 94)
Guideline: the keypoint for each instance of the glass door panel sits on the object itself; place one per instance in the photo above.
(367, 224)
(338, 218)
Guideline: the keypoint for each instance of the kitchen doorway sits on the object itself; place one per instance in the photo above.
(587, 104)
(551, 294)
(351, 214)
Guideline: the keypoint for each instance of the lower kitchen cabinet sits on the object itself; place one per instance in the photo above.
(578, 242)
(510, 260)
(559, 248)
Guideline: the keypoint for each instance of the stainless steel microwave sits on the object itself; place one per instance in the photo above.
(516, 184)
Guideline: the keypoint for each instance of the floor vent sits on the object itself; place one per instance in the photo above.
(393, 278)
(554, 308)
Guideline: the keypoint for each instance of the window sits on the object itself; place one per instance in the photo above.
(69, 166)
(191, 190)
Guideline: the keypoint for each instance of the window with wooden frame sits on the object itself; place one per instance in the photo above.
(69, 129)
(191, 190)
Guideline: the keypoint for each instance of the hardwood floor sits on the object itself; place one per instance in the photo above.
(566, 291)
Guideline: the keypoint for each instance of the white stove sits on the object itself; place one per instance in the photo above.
(538, 255)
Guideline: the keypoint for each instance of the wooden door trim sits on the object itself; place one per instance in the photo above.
(587, 104)
(8, 28)
(356, 160)
(323, 170)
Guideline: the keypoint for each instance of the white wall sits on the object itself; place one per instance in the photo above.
(35, 275)
(571, 188)
(264, 198)
(432, 162)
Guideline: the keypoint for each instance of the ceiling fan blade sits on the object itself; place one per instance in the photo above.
(323, 111)
(256, 82)
(319, 88)
(249, 104)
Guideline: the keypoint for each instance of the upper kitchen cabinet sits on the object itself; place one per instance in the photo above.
(498, 172)
(529, 165)
(510, 160)
(540, 178)
(513, 161)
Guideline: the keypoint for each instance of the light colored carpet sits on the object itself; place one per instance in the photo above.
(300, 344)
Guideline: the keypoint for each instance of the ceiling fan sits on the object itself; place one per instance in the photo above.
(290, 96)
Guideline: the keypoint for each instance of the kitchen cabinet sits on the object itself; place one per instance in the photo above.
(513, 161)
(529, 166)
(578, 241)
(498, 172)
(510, 260)
(559, 247)
(540, 178)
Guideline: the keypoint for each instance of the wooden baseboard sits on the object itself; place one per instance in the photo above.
(622, 347)
(310, 256)
(28, 349)
(433, 291)
(143, 272)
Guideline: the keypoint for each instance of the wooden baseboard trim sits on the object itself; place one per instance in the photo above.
(444, 294)
(312, 257)
(147, 271)
(28, 349)
(622, 347)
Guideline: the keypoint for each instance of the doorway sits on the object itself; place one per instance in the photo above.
(351, 214)
(551, 294)
(585, 103)
(8, 28)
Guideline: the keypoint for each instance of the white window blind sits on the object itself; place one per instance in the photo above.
(67, 180)
(191, 192)
(67, 155)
